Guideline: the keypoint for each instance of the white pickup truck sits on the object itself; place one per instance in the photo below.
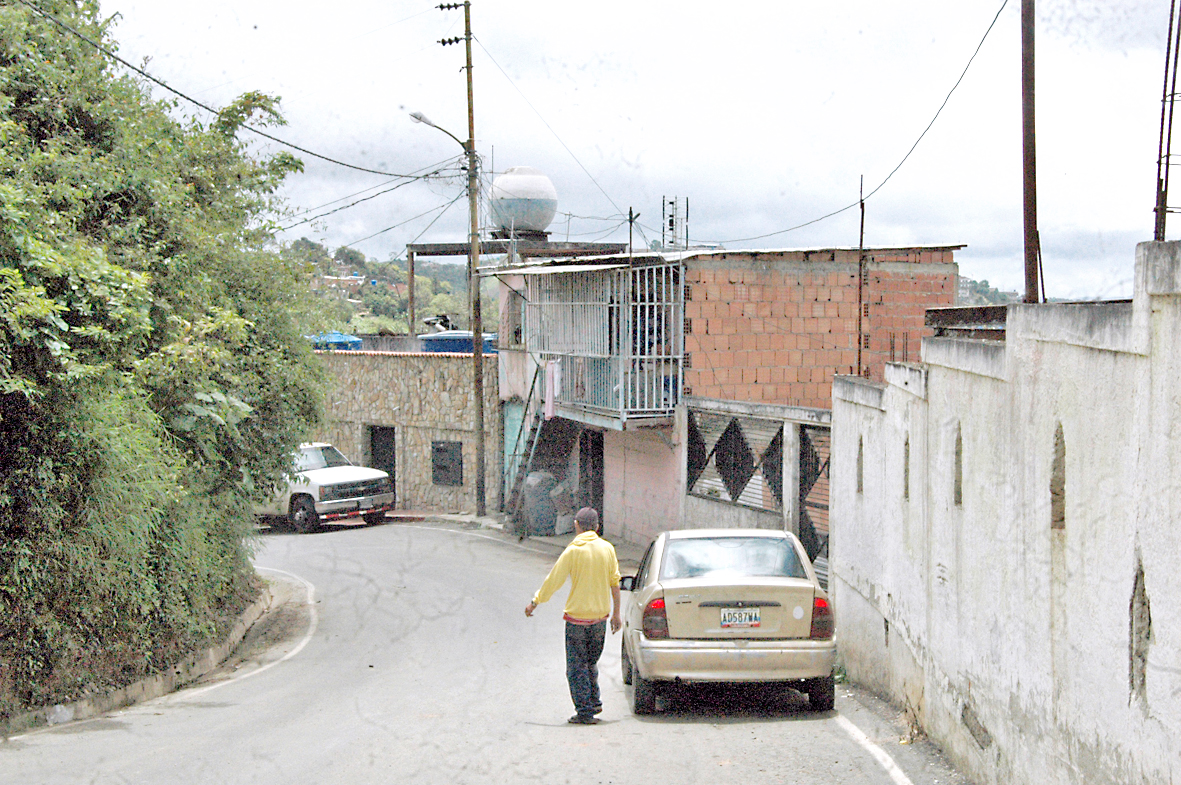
(326, 486)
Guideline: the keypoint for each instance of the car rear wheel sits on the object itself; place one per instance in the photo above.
(643, 694)
(626, 664)
(821, 693)
(302, 515)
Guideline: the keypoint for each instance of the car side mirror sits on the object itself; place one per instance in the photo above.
(627, 582)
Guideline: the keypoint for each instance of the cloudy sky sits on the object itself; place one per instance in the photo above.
(765, 115)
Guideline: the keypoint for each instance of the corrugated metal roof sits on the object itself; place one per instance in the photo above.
(553, 269)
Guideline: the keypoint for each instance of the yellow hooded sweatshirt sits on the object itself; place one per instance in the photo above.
(593, 569)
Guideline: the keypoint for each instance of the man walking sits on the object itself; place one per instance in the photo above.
(590, 563)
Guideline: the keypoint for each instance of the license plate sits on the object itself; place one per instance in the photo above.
(740, 617)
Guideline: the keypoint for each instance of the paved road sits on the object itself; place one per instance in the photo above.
(415, 664)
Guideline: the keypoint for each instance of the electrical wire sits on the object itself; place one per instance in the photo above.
(102, 49)
(443, 208)
(900, 163)
(346, 206)
(547, 125)
(362, 191)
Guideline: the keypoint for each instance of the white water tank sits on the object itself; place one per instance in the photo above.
(523, 199)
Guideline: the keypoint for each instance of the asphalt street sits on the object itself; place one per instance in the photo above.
(401, 654)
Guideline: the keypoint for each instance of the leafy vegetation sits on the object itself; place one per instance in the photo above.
(981, 293)
(381, 304)
(153, 373)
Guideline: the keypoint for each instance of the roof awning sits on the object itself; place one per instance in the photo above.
(548, 269)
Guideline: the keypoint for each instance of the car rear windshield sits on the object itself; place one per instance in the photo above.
(746, 557)
(319, 458)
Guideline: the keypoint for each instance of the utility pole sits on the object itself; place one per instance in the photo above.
(631, 222)
(1029, 154)
(477, 323)
(861, 277)
(1165, 152)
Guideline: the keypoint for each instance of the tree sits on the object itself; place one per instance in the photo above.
(153, 375)
(314, 254)
(349, 258)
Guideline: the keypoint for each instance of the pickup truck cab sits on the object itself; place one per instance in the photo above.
(325, 486)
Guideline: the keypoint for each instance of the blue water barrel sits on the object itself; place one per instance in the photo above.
(457, 341)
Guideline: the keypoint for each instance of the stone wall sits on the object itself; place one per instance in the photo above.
(1005, 548)
(426, 398)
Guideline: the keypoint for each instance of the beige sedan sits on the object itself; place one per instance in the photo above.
(727, 605)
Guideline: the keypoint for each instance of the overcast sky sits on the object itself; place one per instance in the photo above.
(763, 114)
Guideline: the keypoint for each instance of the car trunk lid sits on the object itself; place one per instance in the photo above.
(763, 607)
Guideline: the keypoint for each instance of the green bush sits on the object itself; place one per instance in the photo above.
(153, 375)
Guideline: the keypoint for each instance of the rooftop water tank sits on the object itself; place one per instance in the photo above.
(523, 199)
(455, 341)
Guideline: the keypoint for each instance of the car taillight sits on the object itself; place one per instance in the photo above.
(821, 619)
(655, 619)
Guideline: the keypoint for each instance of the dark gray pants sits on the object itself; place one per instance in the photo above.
(584, 646)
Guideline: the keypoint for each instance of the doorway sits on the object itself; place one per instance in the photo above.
(590, 471)
(382, 453)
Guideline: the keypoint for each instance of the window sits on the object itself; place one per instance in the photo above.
(645, 563)
(755, 557)
(512, 332)
(324, 457)
(447, 463)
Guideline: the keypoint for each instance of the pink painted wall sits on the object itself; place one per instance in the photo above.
(642, 484)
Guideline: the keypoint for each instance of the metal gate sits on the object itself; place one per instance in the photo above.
(815, 452)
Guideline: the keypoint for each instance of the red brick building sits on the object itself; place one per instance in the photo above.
(680, 389)
(775, 326)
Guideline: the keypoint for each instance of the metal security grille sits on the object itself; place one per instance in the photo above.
(736, 459)
(815, 450)
(447, 463)
(575, 313)
(616, 333)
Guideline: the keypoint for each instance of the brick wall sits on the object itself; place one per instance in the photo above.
(774, 327)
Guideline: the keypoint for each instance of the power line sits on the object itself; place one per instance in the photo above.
(346, 206)
(363, 191)
(908, 152)
(444, 209)
(547, 125)
(99, 47)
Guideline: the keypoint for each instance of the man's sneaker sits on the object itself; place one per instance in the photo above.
(583, 719)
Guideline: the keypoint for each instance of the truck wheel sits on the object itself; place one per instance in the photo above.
(626, 664)
(374, 518)
(302, 516)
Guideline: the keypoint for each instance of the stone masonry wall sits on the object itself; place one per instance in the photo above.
(425, 397)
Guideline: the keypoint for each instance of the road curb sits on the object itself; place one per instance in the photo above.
(629, 554)
(188, 670)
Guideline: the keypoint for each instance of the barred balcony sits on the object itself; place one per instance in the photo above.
(611, 337)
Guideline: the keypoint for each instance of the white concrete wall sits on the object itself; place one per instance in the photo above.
(1010, 642)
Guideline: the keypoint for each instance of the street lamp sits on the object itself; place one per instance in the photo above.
(477, 323)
